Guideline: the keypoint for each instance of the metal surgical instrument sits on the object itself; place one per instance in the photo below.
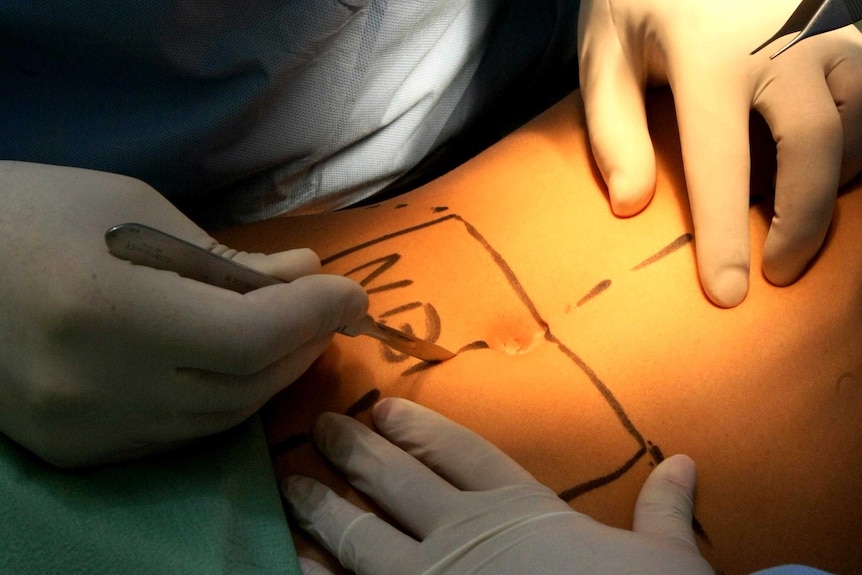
(814, 17)
(150, 247)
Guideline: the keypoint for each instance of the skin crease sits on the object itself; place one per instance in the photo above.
(752, 393)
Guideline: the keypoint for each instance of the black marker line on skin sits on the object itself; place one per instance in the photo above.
(439, 209)
(519, 290)
(603, 389)
(390, 286)
(389, 354)
(475, 345)
(699, 530)
(578, 490)
(433, 326)
(432, 334)
(419, 367)
(655, 451)
(607, 394)
(665, 251)
(364, 403)
(597, 289)
(507, 272)
(658, 457)
(385, 263)
(383, 238)
(400, 309)
(433, 329)
(296, 440)
(521, 293)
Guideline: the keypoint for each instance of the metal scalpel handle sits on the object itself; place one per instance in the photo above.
(153, 248)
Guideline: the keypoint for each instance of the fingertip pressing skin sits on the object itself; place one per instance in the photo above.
(311, 567)
(681, 471)
(623, 151)
(299, 490)
(354, 297)
(726, 286)
(794, 240)
(780, 267)
(340, 300)
(322, 430)
(630, 195)
(286, 266)
(294, 264)
(664, 505)
(612, 89)
(356, 304)
(807, 127)
(358, 299)
(306, 500)
(336, 435)
(388, 407)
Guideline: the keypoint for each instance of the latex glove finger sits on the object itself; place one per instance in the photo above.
(612, 88)
(222, 331)
(311, 567)
(806, 126)
(845, 84)
(360, 541)
(233, 352)
(100, 370)
(286, 266)
(386, 473)
(465, 459)
(238, 396)
(664, 505)
(713, 114)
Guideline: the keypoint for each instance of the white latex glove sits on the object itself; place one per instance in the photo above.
(103, 360)
(811, 97)
(466, 508)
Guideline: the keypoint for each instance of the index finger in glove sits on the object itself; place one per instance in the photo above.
(713, 114)
(806, 126)
(286, 266)
(664, 505)
(221, 331)
(465, 459)
(612, 86)
(845, 84)
(360, 540)
(311, 567)
(407, 490)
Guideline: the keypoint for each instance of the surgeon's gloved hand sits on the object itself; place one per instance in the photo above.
(810, 96)
(102, 360)
(466, 508)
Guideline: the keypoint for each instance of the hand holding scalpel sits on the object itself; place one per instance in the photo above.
(150, 247)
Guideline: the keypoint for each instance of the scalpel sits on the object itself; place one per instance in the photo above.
(150, 247)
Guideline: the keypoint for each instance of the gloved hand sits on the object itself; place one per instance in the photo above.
(469, 509)
(810, 96)
(103, 360)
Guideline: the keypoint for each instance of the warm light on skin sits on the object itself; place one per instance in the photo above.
(589, 351)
